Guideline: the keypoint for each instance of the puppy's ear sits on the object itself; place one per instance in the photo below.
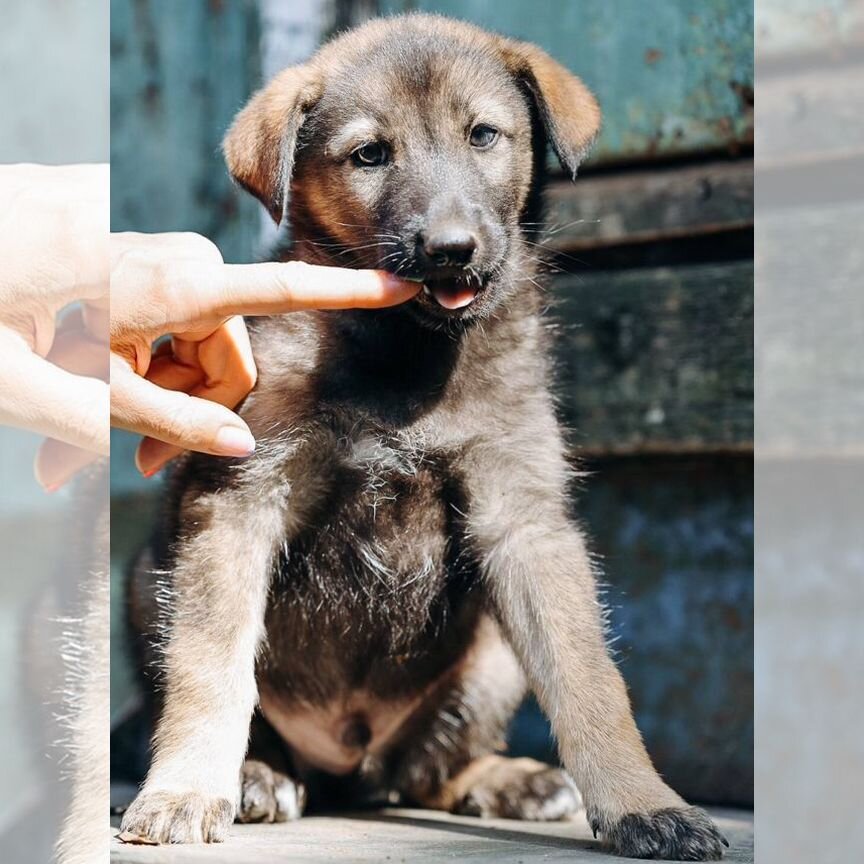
(568, 109)
(259, 146)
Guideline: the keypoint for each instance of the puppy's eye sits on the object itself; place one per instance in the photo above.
(483, 136)
(371, 155)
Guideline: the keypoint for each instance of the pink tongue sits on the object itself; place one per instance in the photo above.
(453, 298)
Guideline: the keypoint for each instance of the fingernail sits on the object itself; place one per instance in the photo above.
(151, 471)
(51, 486)
(231, 441)
(145, 470)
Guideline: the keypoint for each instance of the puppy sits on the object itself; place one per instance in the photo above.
(395, 559)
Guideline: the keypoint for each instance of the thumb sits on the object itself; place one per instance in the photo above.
(189, 422)
(39, 396)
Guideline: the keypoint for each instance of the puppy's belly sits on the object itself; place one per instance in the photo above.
(336, 737)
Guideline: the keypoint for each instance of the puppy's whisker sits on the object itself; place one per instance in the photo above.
(352, 250)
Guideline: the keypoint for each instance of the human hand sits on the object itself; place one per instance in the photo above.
(53, 253)
(179, 395)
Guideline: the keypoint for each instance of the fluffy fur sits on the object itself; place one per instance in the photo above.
(397, 556)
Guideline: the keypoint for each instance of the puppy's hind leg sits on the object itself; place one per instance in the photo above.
(220, 583)
(268, 795)
(452, 762)
(269, 789)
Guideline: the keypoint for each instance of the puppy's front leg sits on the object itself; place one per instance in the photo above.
(215, 623)
(542, 586)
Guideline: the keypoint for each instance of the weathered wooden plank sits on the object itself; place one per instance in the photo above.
(646, 206)
(672, 76)
(657, 360)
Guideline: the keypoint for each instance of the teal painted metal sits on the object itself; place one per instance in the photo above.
(672, 76)
(179, 74)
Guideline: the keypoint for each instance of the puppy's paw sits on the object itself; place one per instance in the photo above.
(521, 789)
(675, 834)
(176, 817)
(268, 796)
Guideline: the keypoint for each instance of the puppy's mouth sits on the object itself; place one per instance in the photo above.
(451, 293)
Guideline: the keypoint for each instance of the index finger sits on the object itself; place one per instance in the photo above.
(275, 288)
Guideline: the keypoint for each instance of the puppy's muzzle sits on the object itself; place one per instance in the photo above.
(447, 255)
(446, 246)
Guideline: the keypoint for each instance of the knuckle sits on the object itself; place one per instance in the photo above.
(247, 378)
(200, 247)
(296, 273)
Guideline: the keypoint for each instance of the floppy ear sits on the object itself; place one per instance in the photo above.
(259, 146)
(568, 109)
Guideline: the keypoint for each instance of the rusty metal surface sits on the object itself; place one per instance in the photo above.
(673, 77)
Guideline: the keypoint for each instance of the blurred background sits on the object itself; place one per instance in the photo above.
(54, 108)
(654, 251)
(810, 431)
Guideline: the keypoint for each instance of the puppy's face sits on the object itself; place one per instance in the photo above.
(410, 145)
(424, 174)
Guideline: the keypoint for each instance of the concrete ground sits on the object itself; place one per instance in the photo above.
(401, 835)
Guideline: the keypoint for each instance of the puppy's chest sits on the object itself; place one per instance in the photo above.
(383, 563)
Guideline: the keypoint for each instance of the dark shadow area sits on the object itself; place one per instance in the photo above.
(484, 831)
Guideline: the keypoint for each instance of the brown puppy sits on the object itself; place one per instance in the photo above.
(398, 549)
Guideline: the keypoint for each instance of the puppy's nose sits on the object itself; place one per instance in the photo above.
(451, 246)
